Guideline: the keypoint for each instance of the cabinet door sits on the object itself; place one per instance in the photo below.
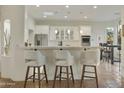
(52, 34)
(76, 34)
(64, 33)
(86, 30)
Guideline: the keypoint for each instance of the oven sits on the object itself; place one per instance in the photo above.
(85, 40)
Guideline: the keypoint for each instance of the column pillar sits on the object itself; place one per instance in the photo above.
(122, 44)
(14, 67)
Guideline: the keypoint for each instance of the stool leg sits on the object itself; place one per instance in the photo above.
(82, 77)
(60, 73)
(72, 74)
(55, 76)
(45, 73)
(26, 77)
(33, 74)
(96, 76)
(67, 76)
(39, 76)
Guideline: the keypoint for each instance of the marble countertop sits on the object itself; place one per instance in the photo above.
(57, 47)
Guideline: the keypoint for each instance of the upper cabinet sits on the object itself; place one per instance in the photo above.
(85, 30)
(42, 29)
(64, 33)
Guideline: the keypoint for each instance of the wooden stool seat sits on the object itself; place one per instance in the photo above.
(33, 77)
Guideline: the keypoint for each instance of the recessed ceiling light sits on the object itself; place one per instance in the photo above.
(67, 6)
(45, 16)
(65, 17)
(85, 17)
(95, 6)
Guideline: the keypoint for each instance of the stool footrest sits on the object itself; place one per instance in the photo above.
(88, 72)
(65, 73)
(36, 75)
(84, 70)
(89, 77)
(41, 73)
(89, 66)
(58, 76)
(62, 66)
(36, 78)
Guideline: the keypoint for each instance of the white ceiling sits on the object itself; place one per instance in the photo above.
(76, 12)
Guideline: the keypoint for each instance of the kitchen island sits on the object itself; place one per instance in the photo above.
(48, 52)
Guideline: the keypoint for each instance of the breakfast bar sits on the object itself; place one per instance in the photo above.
(48, 52)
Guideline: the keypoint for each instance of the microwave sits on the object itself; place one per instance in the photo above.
(85, 40)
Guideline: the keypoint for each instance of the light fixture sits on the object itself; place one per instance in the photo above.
(81, 31)
(85, 17)
(110, 28)
(45, 16)
(95, 6)
(67, 6)
(68, 31)
(56, 31)
(120, 26)
(65, 17)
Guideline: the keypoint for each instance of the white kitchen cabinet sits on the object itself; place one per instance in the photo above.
(64, 33)
(52, 34)
(41, 39)
(85, 30)
(76, 34)
(42, 29)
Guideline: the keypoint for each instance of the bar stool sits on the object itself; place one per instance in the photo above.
(90, 59)
(35, 64)
(63, 60)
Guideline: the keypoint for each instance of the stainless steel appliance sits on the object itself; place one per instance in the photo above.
(41, 39)
(85, 40)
